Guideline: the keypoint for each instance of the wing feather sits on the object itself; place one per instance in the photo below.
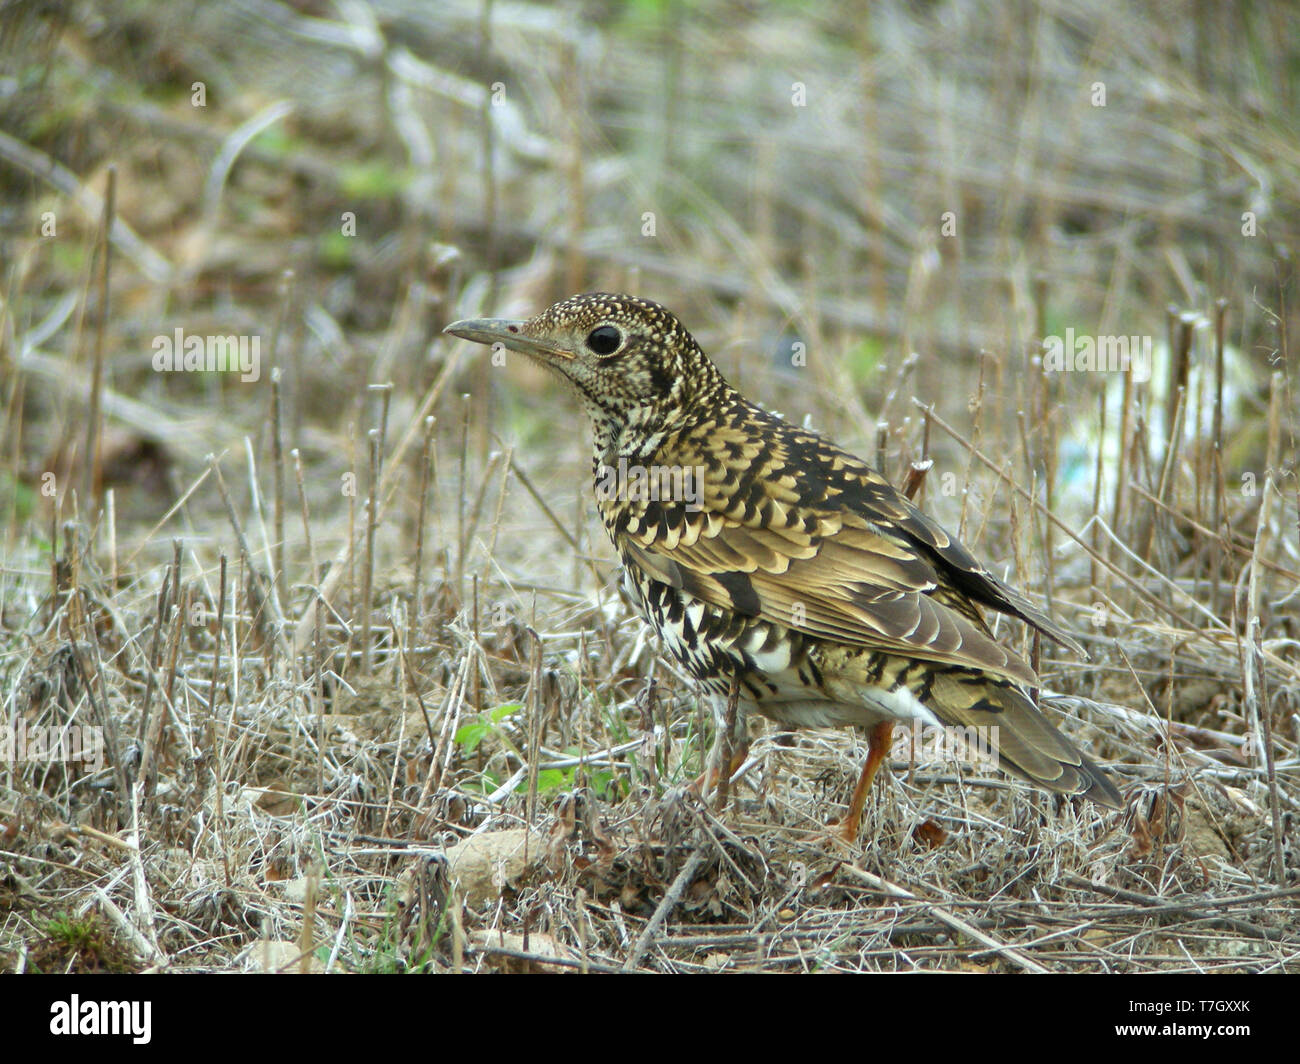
(839, 556)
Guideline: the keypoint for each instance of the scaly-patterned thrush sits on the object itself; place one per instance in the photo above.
(772, 556)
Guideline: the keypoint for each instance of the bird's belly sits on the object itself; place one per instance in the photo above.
(784, 675)
(806, 710)
(835, 703)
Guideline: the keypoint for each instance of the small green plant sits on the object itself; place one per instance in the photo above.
(486, 723)
(79, 944)
(24, 498)
(335, 250)
(74, 933)
(376, 179)
(863, 358)
(402, 948)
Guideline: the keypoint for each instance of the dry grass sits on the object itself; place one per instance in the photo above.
(369, 696)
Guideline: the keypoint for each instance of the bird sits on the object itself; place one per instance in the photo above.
(779, 569)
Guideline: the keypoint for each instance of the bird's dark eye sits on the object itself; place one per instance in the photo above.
(604, 340)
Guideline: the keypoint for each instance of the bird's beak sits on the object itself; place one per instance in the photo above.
(510, 335)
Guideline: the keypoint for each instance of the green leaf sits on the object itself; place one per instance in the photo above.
(471, 734)
(499, 713)
(553, 779)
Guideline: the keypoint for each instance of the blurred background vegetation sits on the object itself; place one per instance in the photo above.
(916, 192)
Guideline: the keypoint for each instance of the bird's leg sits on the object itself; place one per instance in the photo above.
(729, 745)
(711, 777)
(730, 748)
(879, 739)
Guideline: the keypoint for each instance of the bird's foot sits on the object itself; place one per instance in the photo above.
(842, 833)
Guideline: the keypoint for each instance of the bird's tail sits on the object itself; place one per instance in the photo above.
(1028, 745)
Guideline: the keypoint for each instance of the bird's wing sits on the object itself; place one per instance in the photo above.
(788, 528)
(854, 586)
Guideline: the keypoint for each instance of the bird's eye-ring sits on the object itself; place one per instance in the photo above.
(604, 340)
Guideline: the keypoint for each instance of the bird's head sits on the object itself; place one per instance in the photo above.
(632, 362)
